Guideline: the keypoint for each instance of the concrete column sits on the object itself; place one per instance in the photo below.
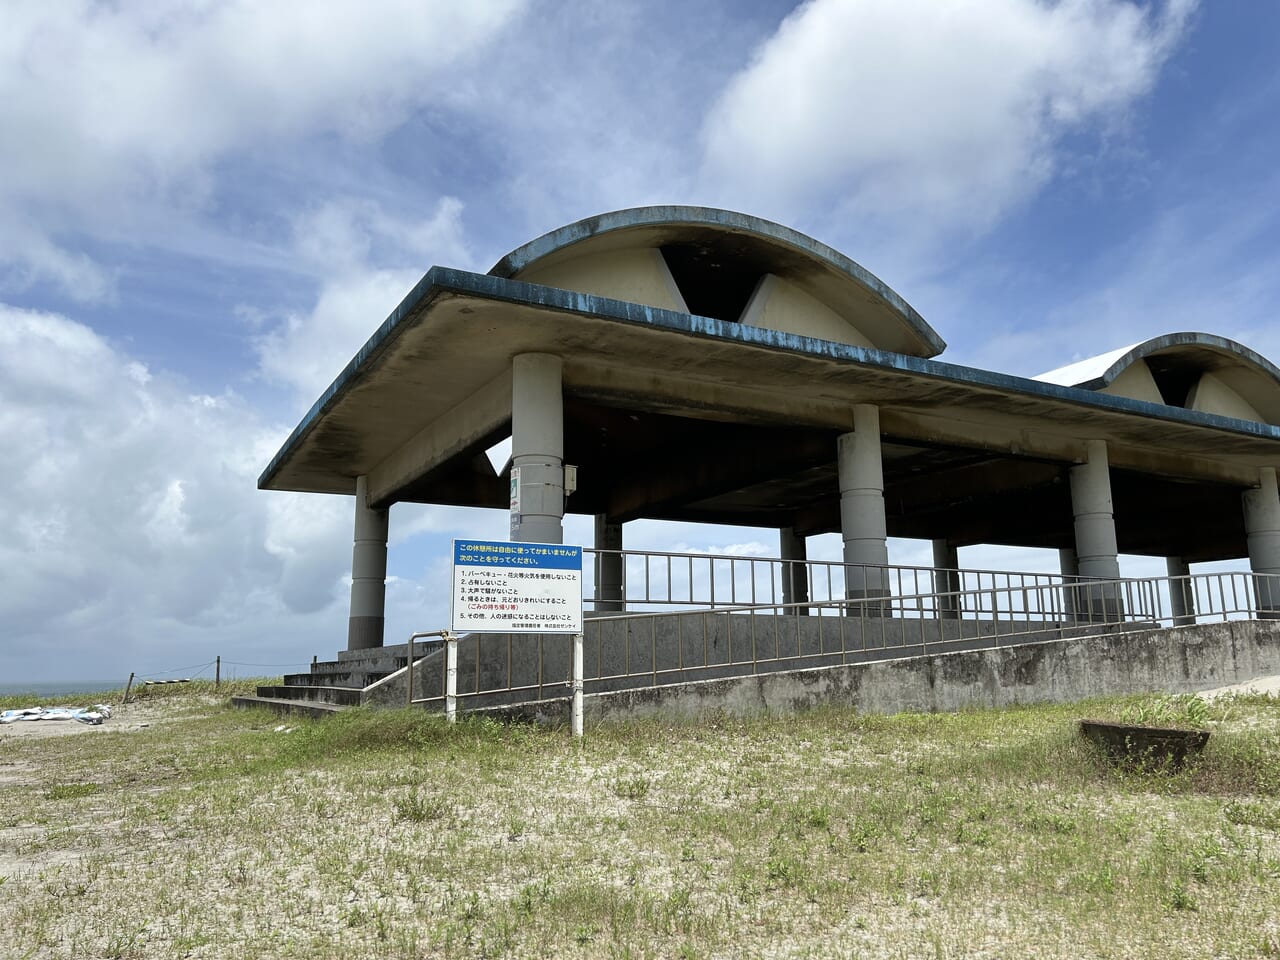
(794, 551)
(1262, 527)
(537, 449)
(862, 522)
(1096, 552)
(946, 579)
(609, 585)
(1070, 570)
(1182, 598)
(368, 574)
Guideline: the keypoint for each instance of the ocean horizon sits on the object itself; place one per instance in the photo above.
(59, 688)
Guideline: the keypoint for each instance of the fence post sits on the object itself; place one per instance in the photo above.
(217, 672)
(451, 677)
(408, 686)
(575, 720)
(127, 687)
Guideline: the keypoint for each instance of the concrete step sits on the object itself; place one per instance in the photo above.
(387, 659)
(344, 678)
(308, 708)
(341, 696)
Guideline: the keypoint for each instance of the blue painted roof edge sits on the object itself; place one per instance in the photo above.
(1156, 344)
(616, 220)
(445, 280)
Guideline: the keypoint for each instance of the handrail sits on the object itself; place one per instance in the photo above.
(451, 670)
(670, 578)
(651, 647)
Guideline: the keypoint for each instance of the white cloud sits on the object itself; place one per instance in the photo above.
(108, 106)
(949, 112)
(136, 537)
(368, 261)
(131, 512)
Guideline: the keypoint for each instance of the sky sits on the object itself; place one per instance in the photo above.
(206, 206)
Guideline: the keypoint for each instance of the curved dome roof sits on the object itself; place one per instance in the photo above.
(726, 265)
(1198, 371)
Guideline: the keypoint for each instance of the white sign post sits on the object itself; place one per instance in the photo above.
(508, 587)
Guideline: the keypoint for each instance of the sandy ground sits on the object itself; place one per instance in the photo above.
(1267, 685)
(140, 715)
(132, 716)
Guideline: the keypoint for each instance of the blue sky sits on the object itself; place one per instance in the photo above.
(206, 206)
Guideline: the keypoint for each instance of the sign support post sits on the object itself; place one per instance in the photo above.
(451, 677)
(575, 717)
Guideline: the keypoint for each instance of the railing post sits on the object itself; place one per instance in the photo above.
(575, 718)
(408, 686)
(451, 677)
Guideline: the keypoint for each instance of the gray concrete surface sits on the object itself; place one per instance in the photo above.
(627, 653)
(1176, 660)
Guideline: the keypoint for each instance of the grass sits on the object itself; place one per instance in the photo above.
(999, 833)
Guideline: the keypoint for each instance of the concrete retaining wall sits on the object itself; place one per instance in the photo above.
(1178, 660)
(686, 647)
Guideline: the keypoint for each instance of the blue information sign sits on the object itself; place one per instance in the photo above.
(508, 587)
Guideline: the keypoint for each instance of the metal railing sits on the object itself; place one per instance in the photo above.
(659, 579)
(988, 608)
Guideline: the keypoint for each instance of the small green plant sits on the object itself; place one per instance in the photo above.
(1175, 711)
(635, 787)
(1178, 897)
(70, 791)
(422, 808)
(1253, 813)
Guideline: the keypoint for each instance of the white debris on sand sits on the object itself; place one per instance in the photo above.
(91, 715)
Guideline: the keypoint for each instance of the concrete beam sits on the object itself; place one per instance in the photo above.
(996, 436)
(479, 416)
(717, 400)
(712, 470)
(940, 489)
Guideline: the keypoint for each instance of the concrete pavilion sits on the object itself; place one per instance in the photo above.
(702, 365)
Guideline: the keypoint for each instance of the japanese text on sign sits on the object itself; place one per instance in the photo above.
(501, 587)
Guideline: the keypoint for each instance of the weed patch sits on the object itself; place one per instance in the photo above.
(824, 835)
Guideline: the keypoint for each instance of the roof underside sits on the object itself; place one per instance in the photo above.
(682, 417)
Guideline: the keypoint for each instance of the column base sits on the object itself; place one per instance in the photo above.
(365, 633)
(1094, 603)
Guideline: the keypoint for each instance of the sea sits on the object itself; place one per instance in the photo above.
(59, 688)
